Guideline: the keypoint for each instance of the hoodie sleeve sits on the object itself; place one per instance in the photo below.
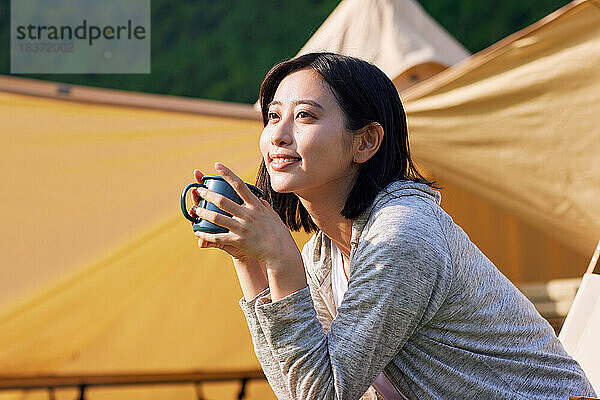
(262, 349)
(400, 274)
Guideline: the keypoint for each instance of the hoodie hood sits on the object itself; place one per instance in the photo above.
(392, 191)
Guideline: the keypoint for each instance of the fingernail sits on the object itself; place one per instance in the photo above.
(201, 191)
(218, 166)
(197, 233)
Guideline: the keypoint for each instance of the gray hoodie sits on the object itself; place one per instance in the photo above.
(423, 305)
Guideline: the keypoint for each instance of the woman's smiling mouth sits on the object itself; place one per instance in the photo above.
(280, 161)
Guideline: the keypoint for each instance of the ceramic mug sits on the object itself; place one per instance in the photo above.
(219, 185)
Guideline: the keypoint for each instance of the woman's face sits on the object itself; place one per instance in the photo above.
(304, 145)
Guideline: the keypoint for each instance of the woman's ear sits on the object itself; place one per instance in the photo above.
(368, 142)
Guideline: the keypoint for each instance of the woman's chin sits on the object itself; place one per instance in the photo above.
(281, 187)
(281, 190)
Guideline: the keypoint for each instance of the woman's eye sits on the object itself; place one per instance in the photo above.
(304, 114)
(272, 115)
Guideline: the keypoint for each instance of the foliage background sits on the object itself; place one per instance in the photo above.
(222, 49)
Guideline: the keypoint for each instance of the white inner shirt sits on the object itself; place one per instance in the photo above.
(339, 284)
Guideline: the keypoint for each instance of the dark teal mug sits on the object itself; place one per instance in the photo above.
(219, 185)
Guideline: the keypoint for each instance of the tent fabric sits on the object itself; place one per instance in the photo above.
(395, 35)
(526, 254)
(113, 97)
(100, 271)
(71, 171)
(519, 125)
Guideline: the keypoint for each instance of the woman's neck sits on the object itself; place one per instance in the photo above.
(325, 209)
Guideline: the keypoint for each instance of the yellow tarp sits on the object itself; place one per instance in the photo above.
(518, 126)
(100, 272)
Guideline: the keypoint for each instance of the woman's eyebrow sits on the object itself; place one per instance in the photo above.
(296, 102)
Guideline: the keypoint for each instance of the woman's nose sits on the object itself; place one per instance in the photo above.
(281, 134)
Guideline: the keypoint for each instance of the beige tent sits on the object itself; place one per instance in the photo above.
(100, 273)
(396, 35)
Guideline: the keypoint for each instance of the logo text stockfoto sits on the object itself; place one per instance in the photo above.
(80, 37)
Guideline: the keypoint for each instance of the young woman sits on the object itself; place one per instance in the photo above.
(389, 298)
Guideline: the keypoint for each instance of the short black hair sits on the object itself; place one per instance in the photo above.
(365, 95)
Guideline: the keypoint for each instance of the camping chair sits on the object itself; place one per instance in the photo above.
(580, 332)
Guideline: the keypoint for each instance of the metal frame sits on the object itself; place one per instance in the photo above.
(83, 382)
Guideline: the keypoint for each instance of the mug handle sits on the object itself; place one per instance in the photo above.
(183, 206)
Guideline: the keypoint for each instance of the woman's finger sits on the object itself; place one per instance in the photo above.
(266, 203)
(198, 175)
(221, 201)
(238, 185)
(212, 239)
(217, 218)
(196, 197)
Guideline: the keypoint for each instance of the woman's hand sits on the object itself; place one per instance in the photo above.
(255, 229)
(236, 253)
(256, 233)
